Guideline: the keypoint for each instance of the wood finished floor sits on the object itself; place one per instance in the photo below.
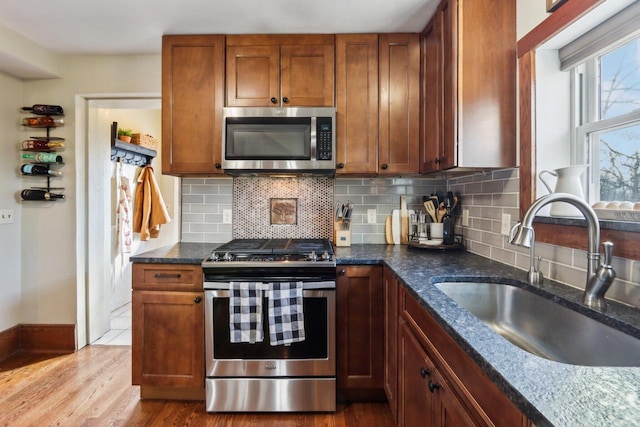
(92, 387)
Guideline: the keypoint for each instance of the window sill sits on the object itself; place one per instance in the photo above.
(572, 233)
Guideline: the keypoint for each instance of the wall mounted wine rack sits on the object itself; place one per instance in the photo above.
(42, 152)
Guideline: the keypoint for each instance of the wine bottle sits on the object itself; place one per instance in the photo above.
(43, 121)
(44, 109)
(43, 157)
(40, 195)
(38, 170)
(39, 144)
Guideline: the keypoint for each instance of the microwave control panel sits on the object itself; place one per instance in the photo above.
(324, 148)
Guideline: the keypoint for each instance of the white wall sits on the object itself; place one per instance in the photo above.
(10, 186)
(48, 233)
(529, 13)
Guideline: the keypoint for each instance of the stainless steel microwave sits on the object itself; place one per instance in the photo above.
(279, 141)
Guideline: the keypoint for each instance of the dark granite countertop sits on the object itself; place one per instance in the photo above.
(180, 253)
(549, 393)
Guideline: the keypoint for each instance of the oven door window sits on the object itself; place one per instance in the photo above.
(315, 345)
(273, 138)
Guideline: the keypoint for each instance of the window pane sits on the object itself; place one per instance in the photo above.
(620, 164)
(620, 80)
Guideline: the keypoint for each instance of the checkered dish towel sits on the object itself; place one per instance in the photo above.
(286, 318)
(245, 312)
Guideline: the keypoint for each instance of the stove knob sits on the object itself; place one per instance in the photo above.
(325, 256)
(313, 256)
(214, 256)
(227, 257)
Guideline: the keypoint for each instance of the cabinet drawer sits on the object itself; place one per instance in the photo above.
(176, 277)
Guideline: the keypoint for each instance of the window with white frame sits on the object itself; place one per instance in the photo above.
(606, 110)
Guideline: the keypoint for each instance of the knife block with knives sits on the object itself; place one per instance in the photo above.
(342, 224)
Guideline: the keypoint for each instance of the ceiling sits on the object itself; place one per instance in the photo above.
(116, 27)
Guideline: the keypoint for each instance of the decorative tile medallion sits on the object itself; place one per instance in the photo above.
(284, 211)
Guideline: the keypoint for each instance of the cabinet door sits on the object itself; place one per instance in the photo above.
(253, 76)
(357, 104)
(399, 126)
(360, 329)
(447, 409)
(192, 101)
(414, 398)
(431, 126)
(448, 17)
(307, 75)
(391, 340)
(168, 339)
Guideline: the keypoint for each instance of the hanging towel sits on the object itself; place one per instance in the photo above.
(245, 312)
(286, 317)
(150, 211)
(124, 233)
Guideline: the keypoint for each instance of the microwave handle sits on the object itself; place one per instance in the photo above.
(314, 138)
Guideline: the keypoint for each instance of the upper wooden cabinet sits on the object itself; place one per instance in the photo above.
(469, 86)
(357, 104)
(377, 104)
(192, 101)
(399, 127)
(280, 70)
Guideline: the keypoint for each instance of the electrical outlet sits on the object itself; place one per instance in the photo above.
(6, 216)
(371, 216)
(506, 224)
(227, 216)
(465, 217)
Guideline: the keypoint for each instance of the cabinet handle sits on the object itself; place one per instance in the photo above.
(437, 161)
(342, 272)
(274, 100)
(285, 100)
(384, 166)
(218, 165)
(340, 165)
(433, 386)
(197, 300)
(167, 276)
(424, 372)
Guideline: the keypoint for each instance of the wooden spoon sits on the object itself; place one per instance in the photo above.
(431, 210)
(441, 212)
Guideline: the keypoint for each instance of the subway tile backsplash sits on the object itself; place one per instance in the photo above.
(486, 195)
(383, 195)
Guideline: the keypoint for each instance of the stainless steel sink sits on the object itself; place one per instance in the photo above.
(543, 327)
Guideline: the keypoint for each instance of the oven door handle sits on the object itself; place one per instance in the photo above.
(329, 284)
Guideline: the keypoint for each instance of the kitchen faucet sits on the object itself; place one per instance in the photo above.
(599, 275)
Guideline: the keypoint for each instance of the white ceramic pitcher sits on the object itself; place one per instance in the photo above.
(567, 181)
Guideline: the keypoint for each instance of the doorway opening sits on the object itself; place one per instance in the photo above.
(107, 291)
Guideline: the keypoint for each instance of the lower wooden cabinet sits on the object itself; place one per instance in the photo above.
(439, 384)
(168, 331)
(390, 284)
(427, 398)
(360, 333)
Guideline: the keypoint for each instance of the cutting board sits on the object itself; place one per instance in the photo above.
(388, 232)
(404, 221)
(395, 226)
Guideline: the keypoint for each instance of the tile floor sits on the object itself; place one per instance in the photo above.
(120, 333)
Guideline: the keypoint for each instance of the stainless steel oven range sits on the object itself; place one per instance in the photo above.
(259, 376)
